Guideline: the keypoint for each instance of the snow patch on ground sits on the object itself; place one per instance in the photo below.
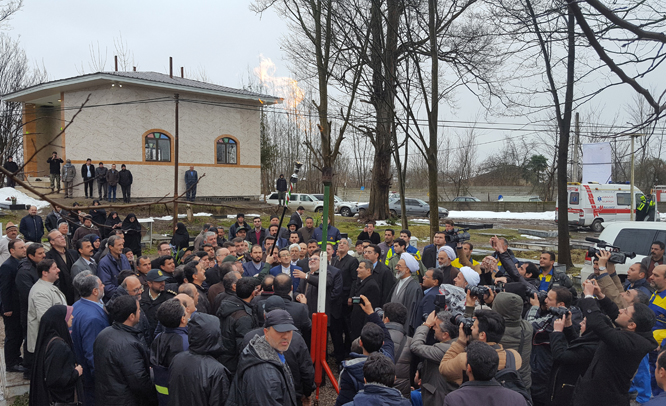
(548, 215)
(21, 198)
(531, 237)
(180, 216)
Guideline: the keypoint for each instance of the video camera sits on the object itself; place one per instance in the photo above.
(481, 291)
(617, 256)
(458, 235)
(558, 311)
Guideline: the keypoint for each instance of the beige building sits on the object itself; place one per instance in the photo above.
(129, 118)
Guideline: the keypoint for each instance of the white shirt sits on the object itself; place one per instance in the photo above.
(286, 270)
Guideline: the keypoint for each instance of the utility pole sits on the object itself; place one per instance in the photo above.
(575, 151)
(175, 168)
(633, 198)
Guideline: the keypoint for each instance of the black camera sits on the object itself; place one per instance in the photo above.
(467, 323)
(357, 300)
(458, 235)
(617, 256)
(481, 291)
(440, 303)
(558, 311)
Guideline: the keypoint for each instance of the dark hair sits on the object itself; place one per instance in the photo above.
(483, 360)
(309, 218)
(642, 298)
(208, 245)
(227, 244)
(282, 284)
(12, 243)
(273, 225)
(392, 231)
(245, 286)
(269, 237)
(122, 307)
(300, 208)
(359, 242)
(273, 216)
(43, 266)
(224, 268)
(471, 247)
(396, 312)
(405, 231)
(292, 233)
(563, 295)
(375, 247)
(368, 264)
(370, 222)
(206, 226)
(32, 249)
(659, 243)
(170, 313)
(267, 283)
(80, 241)
(446, 325)
(237, 240)
(661, 360)
(643, 317)
(201, 254)
(189, 270)
(400, 242)
(449, 222)
(531, 269)
(125, 273)
(379, 368)
(372, 337)
(438, 274)
(491, 323)
(228, 281)
(138, 259)
(551, 254)
(161, 261)
(440, 232)
(126, 250)
(256, 218)
(161, 244)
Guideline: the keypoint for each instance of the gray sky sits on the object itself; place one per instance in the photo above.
(224, 38)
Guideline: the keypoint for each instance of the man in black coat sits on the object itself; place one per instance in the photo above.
(12, 167)
(347, 265)
(54, 162)
(88, 175)
(125, 181)
(281, 187)
(309, 286)
(297, 217)
(236, 320)
(257, 234)
(32, 226)
(380, 273)
(100, 175)
(64, 261)
(11, 306)
(365, 285)
(122, 366)
(26, 277)
(299, 312)
(197, 378)
(621, 350)
(154, 296)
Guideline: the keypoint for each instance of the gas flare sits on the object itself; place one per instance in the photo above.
(281, 86)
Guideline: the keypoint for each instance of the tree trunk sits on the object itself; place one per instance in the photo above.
(433, 195)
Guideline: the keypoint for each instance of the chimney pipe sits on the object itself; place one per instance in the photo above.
(182, 72)
(171, 67)
(134, 68)
(116, 59)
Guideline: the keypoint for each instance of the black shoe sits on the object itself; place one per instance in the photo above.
(16, 368)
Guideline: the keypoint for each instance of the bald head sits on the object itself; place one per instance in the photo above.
(186, 301)
(658, 278)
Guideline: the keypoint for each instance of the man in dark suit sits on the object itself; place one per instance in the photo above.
(88, 175)
(11, 305)
(285, 267)
(282, 287)
(347, 265)
(309, 286)
(380, 273)
(432, 279)
(191, 178)
(64, 261)
(367, 286)
(257, 234)
(85, 261)
(297, 217)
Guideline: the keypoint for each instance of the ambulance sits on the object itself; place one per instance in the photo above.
(592, 204)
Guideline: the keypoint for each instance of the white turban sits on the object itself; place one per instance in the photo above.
(470, 275)
(450, 252)
(410, 261)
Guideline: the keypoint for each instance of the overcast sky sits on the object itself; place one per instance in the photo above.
(224, 38)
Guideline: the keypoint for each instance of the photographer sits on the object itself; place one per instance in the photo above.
(606, 277)
(449, 232)
(375, 337)
(434, 386)
(558, 303)
(607, 379)
(518, 332)
(512, 273)
(489, 328)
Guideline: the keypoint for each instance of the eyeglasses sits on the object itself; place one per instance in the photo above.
(313, 259)
(138, 290)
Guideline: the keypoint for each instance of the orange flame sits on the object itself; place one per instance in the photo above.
(281, 86)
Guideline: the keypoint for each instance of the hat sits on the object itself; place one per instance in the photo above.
(69, 161)
(229, 258)
(449, 252)
(273, 303)
(10, 225)
(156, 275)
(280, 320)
(470, 275)
(410, 261)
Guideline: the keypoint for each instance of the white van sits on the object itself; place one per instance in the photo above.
(591, 204)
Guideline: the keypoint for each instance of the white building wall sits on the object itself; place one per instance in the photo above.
(114, 134)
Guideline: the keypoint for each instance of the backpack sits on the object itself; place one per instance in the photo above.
(509, 378)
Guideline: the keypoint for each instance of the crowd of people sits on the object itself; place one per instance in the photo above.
(225, 319)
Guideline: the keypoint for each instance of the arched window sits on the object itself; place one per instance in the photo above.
(227, 151)
(158, 147)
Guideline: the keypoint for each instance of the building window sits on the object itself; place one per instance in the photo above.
(158, 147)
(227, 151)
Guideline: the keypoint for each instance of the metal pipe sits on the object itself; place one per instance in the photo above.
(171, 67)
(116, 60)
(175, 167)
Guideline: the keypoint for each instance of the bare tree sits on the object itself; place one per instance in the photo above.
(8, 8)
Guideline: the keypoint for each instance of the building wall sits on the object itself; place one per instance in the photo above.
(115, 134)
(42, 125)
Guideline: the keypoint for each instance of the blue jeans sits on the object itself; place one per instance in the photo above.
(112, 189)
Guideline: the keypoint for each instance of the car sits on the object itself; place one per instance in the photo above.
(308, 201)
(629, 236)
(414, 207)
(347, 209)
(465, 199)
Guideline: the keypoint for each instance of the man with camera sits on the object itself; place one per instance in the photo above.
(434, 387)
(366, 286)
(607, 379)
(557, 303)
(489, 328)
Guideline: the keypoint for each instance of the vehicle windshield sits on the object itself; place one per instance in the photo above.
(421, 201)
